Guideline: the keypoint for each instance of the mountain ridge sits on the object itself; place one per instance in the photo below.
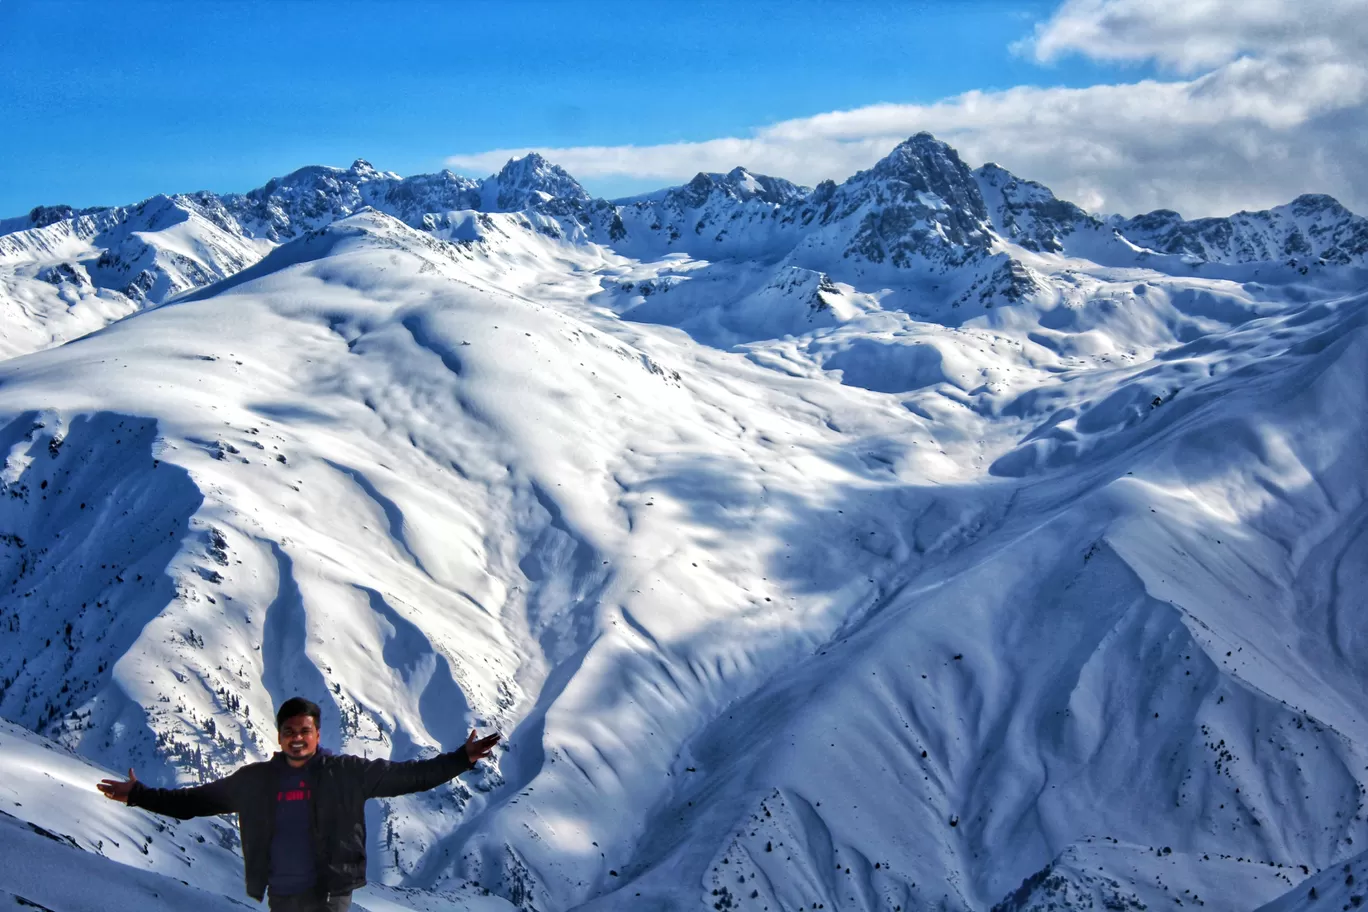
(1312, 231)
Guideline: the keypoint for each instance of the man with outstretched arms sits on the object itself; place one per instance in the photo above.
(301, 813)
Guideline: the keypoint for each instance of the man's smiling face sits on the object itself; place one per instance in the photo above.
(299, 739)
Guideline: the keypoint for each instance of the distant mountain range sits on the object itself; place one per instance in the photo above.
(920, 210)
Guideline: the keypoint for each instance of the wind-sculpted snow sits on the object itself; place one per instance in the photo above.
(982, 575)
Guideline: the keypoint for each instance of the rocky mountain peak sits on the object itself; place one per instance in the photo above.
(1309, 204)
(364, 170)
(1028, 213)
(925, 166)
(737, 185)
(42, 216)
(532, 178)
(920, 202)
(823, 192)
(532, 161)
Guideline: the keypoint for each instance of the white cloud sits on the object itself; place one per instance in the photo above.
(1283, 110)
(1194, 34)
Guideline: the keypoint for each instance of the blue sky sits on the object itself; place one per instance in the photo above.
(110, 102)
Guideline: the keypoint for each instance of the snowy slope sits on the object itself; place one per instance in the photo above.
(61, 278)
(44, 787)
(1338, 887)
(905, 556)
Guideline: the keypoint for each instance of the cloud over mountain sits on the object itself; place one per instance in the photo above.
(1250, 119)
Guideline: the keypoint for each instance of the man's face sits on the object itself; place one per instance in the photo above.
(299, 738)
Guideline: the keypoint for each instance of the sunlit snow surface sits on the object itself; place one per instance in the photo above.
(788, 593)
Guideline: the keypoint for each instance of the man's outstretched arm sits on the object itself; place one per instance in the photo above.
(200, 801)
(385, 778)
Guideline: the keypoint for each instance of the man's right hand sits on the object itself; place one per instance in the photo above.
(115, 790)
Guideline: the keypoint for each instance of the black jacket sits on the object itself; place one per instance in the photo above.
(342, 785)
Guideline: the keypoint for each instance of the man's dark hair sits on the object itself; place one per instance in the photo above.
(298, 706)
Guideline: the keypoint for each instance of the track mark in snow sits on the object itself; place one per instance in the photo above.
(433, 342)
(287, 668)
(393, 515)
(426, 671)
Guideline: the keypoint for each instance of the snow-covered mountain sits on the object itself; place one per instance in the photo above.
(919, 212)
(1311, 230)
(917, 541)
(1027, 213)
(113, 261)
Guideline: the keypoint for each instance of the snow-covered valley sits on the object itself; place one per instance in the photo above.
(921, 541)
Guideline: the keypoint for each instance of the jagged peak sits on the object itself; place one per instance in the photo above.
(823, 191)
(533, 173)
(445, 177)
(1309, 203)
(42, 216)
(994, 175)
(923, 138)
(922, 167)
(922, 146)
(305, 176)
(363, 169)
(1157, 218)
(531, 163)
(917, 160)
(532, 159)
(156, 201)
(740, 184)
(160, 211)
(994, 172)
(1306, 204)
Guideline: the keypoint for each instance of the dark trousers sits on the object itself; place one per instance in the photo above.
(310, 902)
